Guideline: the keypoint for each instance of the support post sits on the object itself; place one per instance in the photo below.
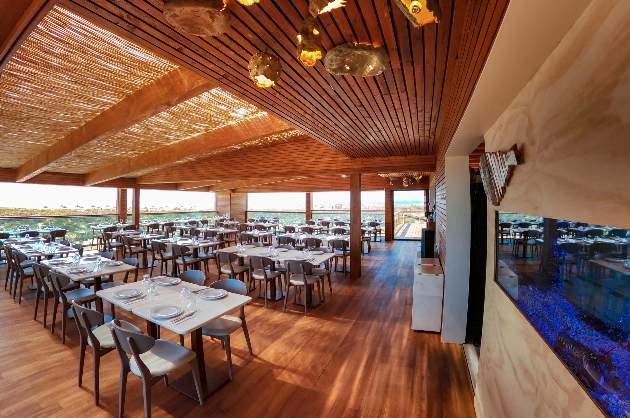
(457, 271)
(121, 205)
(355, 226)
(389, 215)
(135, 209)
(309, 207)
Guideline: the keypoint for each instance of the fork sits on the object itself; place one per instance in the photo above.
(182, 317)
(135, 299)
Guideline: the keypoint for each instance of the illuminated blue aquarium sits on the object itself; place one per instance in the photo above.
(572, 281)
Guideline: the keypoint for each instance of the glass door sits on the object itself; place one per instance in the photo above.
(409, 216)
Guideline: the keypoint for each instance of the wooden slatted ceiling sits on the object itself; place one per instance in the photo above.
(396, 113)
(66, 73)
(299, 157)
(479, 28)
(475, 157)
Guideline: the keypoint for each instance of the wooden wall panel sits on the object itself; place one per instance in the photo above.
(121, 204)
(356, 243)
(238, 206)
(309, 206)
(571, 121)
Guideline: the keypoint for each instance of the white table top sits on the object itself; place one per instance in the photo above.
(89, 265)
(282, 256)
(207, 311)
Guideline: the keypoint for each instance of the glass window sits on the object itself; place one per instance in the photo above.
(282, 202)
(161, 201)
(572, 281)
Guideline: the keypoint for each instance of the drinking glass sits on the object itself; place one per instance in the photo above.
(152, 290)
(185, 294)
(146, 280)
(191, 305)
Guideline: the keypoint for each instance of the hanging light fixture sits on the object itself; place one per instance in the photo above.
(309, 49)
(356, 60)
(317, 7)
(248, 2)
(421, 12)
(265, 69)
(198, 17)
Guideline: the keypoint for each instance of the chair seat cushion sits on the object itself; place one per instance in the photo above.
(258, 274)
(80, 293)
(90, 281)
(189, 260)
(339, 253)
(237, 269)
(163, 358)
(316, 271)
(104, 334)
(165, 256)
(298, 279)
(221, 327)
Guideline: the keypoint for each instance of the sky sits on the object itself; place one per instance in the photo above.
(37, 196)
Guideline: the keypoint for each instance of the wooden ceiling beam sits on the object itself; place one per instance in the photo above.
(304, 157)
(332, 183)
(169, 90)
(235, 134)
(18, 18)
(190, 185)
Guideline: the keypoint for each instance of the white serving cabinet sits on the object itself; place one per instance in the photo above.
(428, 293)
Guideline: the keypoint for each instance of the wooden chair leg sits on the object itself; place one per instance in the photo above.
(54, 316)
(64, 317)
(246, 333)
(228, 353)
(146, 391)
(37, 297)
(45, 308)
(123, 389)
(82, 346)
(304, 300)
(181, 340)
(265, 295)
(96, 359)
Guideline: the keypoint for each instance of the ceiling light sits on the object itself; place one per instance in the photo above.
(356, 60)
(265, 69)
(317, 7)
(421, 12)
(309, 49)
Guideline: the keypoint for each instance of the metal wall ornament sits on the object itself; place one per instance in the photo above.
(318, 7)
(496, 169)
(356, 60)
(421, 12)
(265, 69)
(309, 49)
(198, 17)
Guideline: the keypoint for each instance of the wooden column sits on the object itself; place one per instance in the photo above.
(389, 215)
(309, 207)
(135, 209)
(223, 203)
(355, 226)
(121, 204)
(238, 206)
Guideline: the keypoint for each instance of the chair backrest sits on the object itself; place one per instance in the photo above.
(286, 240)
(245, 238)
(261, 263)
(79, 247)
(87, 318)
(243, 228)
(226, 258)
(312, 242)
(325, 223)
(617, 232)
(289, 229)
(569, 248)
(176, 250)
(505, 225)
(307, 229)
(298, 267)
(4, 235)
(107, 254)
(130, 227)
(170, 231)
(603, 247)
(193, 276)
(59, 281)
(231, 285)
(41, 273)
(310, 222)
(29, 233)
(123, 336)
(339, 244)
(204, 222)
(338, 231)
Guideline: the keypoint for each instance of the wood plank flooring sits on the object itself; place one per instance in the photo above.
(354, 356)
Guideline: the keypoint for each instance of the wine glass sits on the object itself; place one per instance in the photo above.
(185, 294)
(191, 305)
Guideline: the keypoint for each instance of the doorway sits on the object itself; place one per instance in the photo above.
(409, 219)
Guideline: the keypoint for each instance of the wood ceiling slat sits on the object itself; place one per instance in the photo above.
(430, 42)
(185, 51)
(153, 15)
(443, 40)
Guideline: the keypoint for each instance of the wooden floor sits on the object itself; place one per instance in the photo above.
(354, 356)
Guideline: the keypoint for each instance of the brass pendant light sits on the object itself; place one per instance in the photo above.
(248, 2)
(421, 12)
(317, 7)
(265, 69)
(309, 49)
(356, 60)
(198, 17)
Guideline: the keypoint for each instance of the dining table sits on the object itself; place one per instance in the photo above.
(207, 311)
(300, 237)
(273, 293)
(88, 265)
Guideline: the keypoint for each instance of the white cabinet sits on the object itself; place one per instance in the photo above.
(428, 292)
